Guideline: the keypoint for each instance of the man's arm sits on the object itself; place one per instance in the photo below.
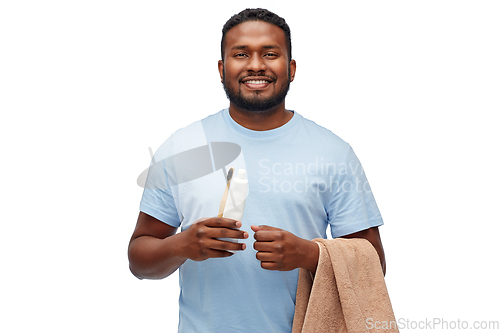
(156, 250)
(281, 250)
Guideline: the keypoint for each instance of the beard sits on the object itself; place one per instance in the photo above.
(255, 103)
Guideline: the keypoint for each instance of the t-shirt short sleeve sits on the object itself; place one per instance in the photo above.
(352, 207)
(157, 199)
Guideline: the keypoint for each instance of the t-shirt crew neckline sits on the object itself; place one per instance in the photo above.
(260, 134)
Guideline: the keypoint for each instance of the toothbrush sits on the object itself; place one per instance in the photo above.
(226, 191)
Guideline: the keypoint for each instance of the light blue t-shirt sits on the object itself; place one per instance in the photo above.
(301, 178)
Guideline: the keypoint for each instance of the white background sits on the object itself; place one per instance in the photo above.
(87, 86)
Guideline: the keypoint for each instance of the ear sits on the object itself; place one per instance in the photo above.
(221, 70)
(293, 67)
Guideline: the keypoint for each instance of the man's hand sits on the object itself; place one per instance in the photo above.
(201, 239)
(281, 250)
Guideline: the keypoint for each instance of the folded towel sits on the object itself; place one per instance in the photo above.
(348, 292)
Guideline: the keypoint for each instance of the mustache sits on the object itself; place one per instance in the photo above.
(270, 77)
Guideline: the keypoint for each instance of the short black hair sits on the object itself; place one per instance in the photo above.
(257, 14)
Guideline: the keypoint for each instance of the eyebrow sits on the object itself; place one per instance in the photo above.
(242, 47)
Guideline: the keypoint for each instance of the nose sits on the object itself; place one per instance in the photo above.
(255, 64)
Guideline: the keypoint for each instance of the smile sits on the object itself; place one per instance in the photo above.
(257, 81)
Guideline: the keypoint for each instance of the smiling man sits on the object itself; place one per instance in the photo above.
(302, 179)
(256, 83)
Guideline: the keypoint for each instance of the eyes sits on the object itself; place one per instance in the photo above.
(267, 55)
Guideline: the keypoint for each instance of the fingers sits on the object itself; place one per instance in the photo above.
(265, 233)
(210, 253)
(204, 248)
(221, 233)
(222, 245)
(268, 246)
(228, 233)
(220, 222)
(210, 232)
(268, 236)
(268, 239)
(270, 254)
(213, 248)
(206, 238)
(271, 266)
(263, 227)
(219, 227)
(270, 261)
(276, 247)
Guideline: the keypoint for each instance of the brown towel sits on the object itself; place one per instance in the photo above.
(348, 293)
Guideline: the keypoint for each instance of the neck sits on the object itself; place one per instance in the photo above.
(261, 120)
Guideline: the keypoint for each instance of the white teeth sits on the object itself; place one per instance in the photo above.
(256, 81)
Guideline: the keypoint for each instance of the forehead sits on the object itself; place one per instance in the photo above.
(255, 34)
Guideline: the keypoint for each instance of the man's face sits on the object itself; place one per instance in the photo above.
(256, 73)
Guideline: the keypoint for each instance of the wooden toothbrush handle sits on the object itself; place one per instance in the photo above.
(226, 192)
